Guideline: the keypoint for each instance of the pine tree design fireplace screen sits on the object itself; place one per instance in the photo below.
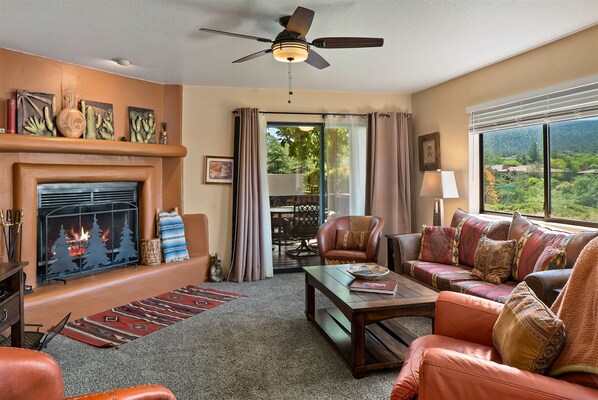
(86, 227)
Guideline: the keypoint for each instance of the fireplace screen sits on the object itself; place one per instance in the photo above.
(85, 228)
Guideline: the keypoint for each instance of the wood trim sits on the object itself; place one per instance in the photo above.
(15, 143)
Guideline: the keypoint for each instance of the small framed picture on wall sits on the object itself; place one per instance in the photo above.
(429, 152)
(218, 169)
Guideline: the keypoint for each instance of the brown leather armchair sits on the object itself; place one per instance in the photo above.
(459, 360)
(327, 235)
(33, 375)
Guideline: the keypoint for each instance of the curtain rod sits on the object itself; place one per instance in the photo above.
(323, 114)
(313, 113)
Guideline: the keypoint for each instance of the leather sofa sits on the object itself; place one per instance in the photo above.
(459, 278)
(459, 361)
(33, 375)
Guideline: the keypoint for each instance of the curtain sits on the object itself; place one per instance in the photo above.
(388, 185)
(251, 248)
(345, 165)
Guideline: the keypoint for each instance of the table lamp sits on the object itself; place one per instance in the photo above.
(440, 185)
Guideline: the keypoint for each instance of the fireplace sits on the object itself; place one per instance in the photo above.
(85, 228)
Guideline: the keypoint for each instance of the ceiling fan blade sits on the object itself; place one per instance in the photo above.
(254, 55)
(300, 21)
(259, 39)
(316, 60)
(347, 42)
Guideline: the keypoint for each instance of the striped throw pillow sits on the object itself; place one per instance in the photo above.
(172, 235)
(527, 334)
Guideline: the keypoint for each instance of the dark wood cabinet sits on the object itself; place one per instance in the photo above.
(11, 301)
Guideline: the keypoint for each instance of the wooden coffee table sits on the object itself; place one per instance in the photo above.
(362, 325)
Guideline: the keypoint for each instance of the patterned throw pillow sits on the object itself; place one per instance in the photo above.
(472, 229)
(531, 241)
(527, 334)
(551, 258)
(352, 240)
(172, 235)
(440, 244)
(493, 260)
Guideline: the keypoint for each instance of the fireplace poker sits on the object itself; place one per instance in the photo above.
(21, 217)
(4, 232)
(11, 234)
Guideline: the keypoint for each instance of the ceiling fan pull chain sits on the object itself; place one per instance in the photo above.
(290, 82)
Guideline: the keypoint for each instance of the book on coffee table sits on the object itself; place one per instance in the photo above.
(382, 286)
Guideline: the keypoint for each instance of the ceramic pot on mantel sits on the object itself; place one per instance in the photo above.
(70, 122)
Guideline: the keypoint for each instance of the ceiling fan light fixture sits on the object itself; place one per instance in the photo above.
(290, 51)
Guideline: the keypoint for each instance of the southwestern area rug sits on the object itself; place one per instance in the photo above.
(140, 318)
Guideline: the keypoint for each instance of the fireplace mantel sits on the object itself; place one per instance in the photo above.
(12, 143)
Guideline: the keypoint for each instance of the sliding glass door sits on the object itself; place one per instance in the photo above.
(315, 172)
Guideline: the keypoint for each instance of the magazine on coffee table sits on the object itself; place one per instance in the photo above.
(382, 286)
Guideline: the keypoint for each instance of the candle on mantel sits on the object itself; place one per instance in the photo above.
(11, 115)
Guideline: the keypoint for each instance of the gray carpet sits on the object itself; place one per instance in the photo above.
(256, 347)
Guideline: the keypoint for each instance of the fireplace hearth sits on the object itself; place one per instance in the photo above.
(85, 228)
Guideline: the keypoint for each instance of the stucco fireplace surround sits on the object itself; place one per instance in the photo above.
(26, 161)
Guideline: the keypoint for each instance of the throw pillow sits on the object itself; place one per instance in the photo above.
(527, 334)
(531, 241)
(493, 260)
(172, 235)
(551, 258)
(352, 240)
(531, 245)
(472, 229)
(440, 244)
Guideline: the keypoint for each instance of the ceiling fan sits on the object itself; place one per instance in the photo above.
(291, 46)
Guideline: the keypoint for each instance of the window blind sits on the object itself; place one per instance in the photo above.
(572, 103)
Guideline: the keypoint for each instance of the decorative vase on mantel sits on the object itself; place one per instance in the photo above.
(70, 122)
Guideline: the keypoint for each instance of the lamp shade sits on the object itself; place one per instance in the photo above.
(439, 184)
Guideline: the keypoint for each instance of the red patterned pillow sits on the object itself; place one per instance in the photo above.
(472, 230)
(551, 258)
(440, 244)
(530, 246)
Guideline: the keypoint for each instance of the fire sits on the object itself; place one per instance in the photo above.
(79, 242)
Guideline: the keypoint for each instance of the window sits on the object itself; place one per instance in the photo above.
(514, 166)
(539, 156)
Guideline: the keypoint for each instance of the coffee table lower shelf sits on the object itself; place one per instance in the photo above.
(386, 341)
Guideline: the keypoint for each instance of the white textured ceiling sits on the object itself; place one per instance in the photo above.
(426, 41)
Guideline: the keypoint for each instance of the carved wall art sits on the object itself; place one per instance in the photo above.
(36, 113)
(99, 120)
(142, 125)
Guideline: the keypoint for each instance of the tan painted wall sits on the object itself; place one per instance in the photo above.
(208, 130)
(442, 108)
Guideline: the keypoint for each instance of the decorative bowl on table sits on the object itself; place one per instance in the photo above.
(370, 272)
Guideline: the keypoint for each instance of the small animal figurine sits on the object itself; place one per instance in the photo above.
(216, 273)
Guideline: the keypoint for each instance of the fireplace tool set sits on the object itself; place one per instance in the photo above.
(12, 223)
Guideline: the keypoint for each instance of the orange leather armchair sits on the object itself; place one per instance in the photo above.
(459, 360)
(33, 375)
(327, 242)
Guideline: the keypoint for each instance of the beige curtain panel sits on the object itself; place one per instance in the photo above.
(246, 263)
(388, 183)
